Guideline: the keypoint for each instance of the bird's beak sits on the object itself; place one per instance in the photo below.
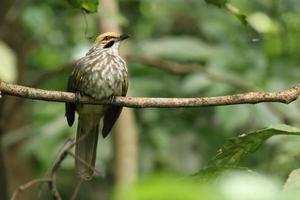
(122, 37)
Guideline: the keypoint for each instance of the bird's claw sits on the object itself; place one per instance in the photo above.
(78, 95)
(112, 99)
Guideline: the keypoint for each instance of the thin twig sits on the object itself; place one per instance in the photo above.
(286, 96)
(53, 188)
(84, 162)
(52, 184)
(52, 180)
(69, 144)
(178, 68)
(169, 66)
(76, 190)
(66, 149)
(28, 185)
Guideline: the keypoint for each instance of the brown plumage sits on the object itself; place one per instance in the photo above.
(101, 74)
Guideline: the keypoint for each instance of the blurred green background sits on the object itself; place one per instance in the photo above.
(39, 40)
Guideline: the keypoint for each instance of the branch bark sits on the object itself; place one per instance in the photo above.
(285, 96)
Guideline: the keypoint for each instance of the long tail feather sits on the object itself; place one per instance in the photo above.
(86, 147)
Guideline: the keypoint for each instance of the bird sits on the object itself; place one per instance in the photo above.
(101, 74)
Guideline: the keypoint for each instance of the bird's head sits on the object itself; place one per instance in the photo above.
(110, 39)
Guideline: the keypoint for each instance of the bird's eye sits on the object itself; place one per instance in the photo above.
(109, 44)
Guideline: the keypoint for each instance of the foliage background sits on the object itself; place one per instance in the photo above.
(38, 36)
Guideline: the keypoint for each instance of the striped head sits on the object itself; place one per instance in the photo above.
(110, 39)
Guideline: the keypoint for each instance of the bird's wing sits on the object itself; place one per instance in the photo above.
(113, 112)
(74, 82)
(70, 107)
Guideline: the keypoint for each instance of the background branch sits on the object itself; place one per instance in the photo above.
(52, 178)
(29, 184)
(169, 66)
(286, 96)
(178, 68)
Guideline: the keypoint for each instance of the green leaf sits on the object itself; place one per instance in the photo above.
(242, 18)
(90, 6)
(241, 146)
(236, 12)
(229, 7)
(218, 3)
(213, 172)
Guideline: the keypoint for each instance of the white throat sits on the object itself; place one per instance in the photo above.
(114, 49)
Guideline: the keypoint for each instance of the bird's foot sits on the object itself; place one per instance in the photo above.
(112, 99)
(78, 96)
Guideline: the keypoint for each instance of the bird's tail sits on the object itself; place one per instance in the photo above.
(86, 145)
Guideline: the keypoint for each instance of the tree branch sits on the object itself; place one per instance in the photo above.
(286, 96)
(178, 68)
(51, 180)
(29, 184)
